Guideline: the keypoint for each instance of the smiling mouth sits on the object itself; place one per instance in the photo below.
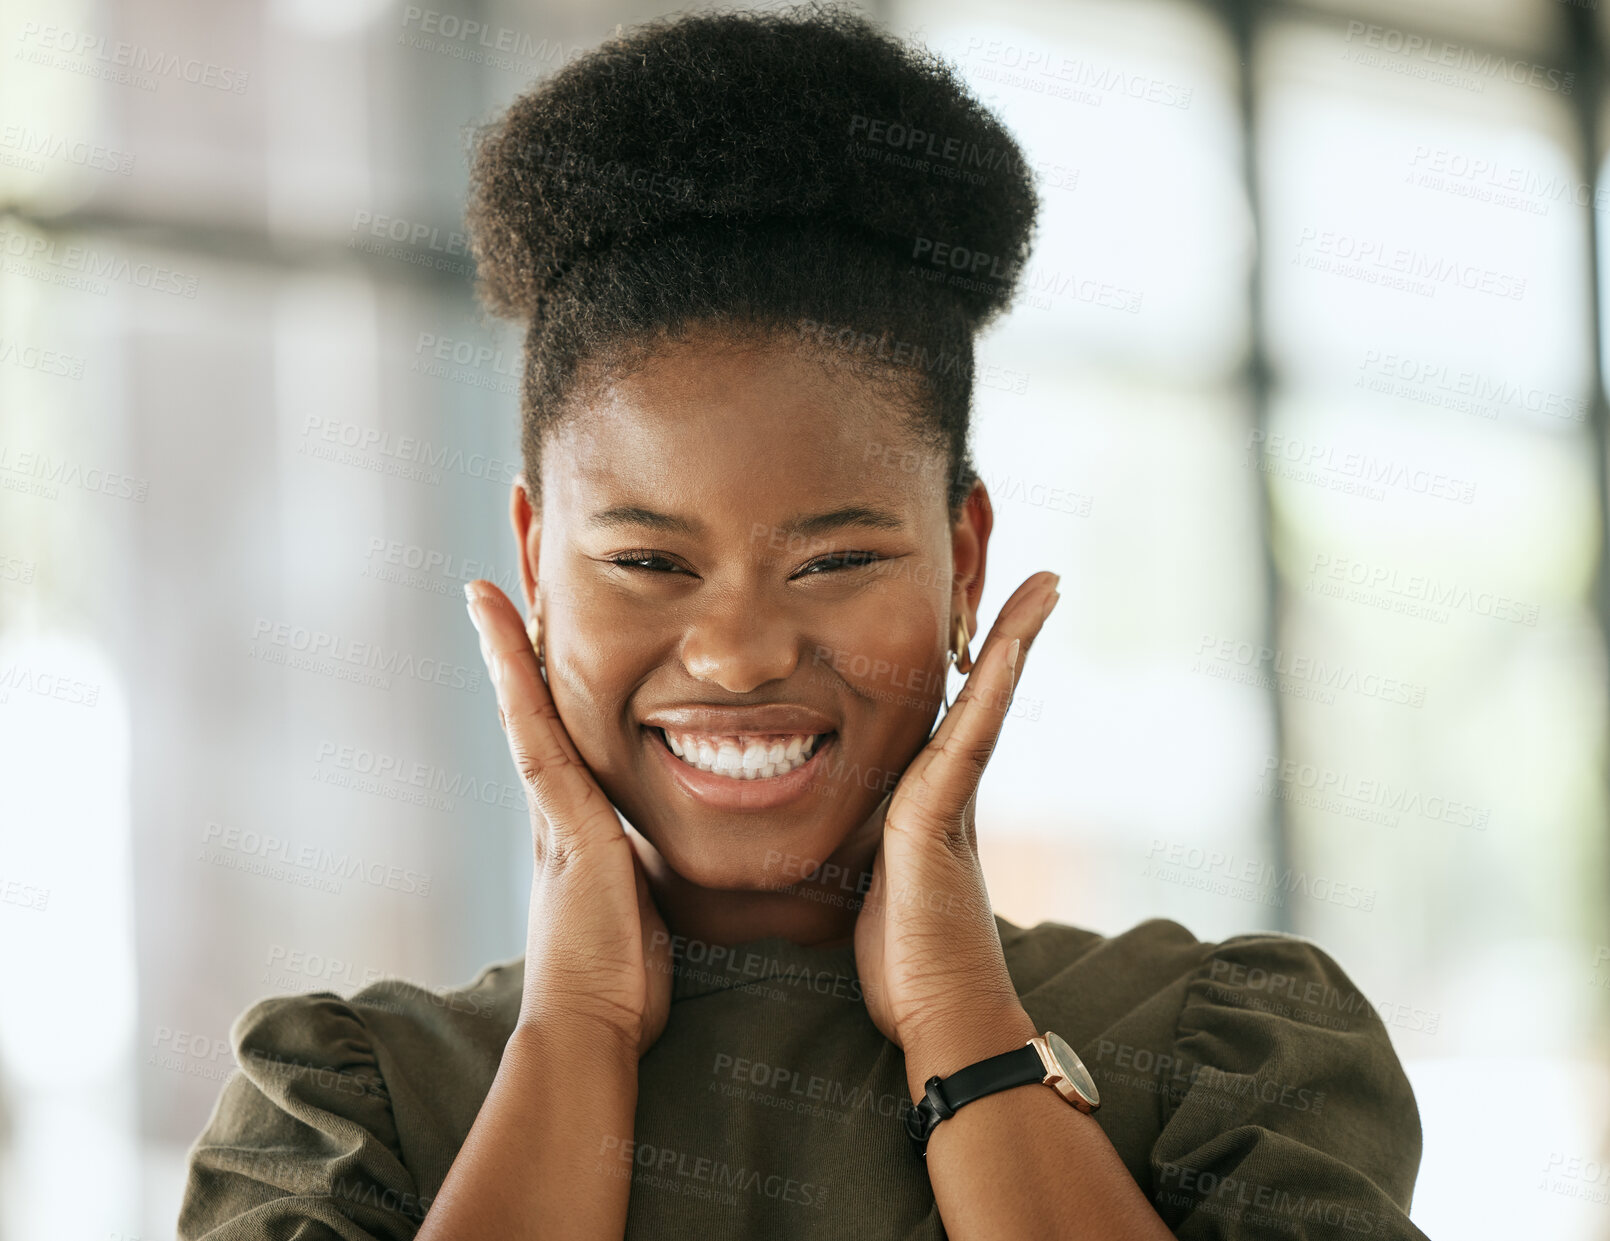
(740, 757)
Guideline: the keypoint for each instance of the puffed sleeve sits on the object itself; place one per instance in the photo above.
(302, 1143)
(1289, 1114)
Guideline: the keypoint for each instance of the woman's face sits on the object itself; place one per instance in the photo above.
(745, 549)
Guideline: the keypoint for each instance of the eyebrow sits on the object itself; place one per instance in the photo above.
(802, 524)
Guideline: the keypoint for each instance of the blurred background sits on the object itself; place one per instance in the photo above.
(1303, 396)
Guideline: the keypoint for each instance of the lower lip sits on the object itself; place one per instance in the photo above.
(729, 794)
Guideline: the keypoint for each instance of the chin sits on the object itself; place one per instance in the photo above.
(758, 863)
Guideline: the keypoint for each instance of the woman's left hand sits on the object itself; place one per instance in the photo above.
(926, 946)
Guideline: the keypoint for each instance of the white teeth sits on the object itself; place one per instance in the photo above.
(756, 760)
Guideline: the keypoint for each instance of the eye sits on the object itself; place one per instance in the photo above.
(647, 562)
(840, 560)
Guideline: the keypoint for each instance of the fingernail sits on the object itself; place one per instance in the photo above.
(1011, 652)
(475, 617)
(1049, 604)
(1056, 580)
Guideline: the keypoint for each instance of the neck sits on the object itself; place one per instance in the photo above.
(817, 912)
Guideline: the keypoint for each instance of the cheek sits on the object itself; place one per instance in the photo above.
(591, 670)
(890, 652)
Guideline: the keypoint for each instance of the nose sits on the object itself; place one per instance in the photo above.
(740, 645)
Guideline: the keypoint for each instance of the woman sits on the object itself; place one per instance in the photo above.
(753, 252)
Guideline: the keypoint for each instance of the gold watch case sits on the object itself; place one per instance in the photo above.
(1065, 1072)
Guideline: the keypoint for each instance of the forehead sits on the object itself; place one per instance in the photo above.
(739, 435)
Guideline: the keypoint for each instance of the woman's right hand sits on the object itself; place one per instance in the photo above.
(598, 955)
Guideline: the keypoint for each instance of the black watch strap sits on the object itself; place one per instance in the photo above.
(1018, 1067)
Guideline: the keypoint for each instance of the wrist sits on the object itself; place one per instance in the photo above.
(573, 1039)
(964, 1038)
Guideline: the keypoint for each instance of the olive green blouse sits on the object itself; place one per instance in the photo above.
(1249, 1088)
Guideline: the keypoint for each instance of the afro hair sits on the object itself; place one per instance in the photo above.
(793, 171)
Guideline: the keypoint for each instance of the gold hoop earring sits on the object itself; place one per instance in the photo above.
(960, 638)
(533, 630)
(957, 654)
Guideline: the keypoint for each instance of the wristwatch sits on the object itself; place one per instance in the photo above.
(1046, 1058)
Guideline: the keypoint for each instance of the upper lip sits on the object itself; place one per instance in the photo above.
(777, 717)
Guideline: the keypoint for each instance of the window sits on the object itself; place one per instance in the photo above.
(1307, 356)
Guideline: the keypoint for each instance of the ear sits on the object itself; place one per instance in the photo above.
(527, 538)
(969, 549)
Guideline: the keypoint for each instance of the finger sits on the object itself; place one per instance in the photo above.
(945, 775)
(561, 787)
(1022, 616)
